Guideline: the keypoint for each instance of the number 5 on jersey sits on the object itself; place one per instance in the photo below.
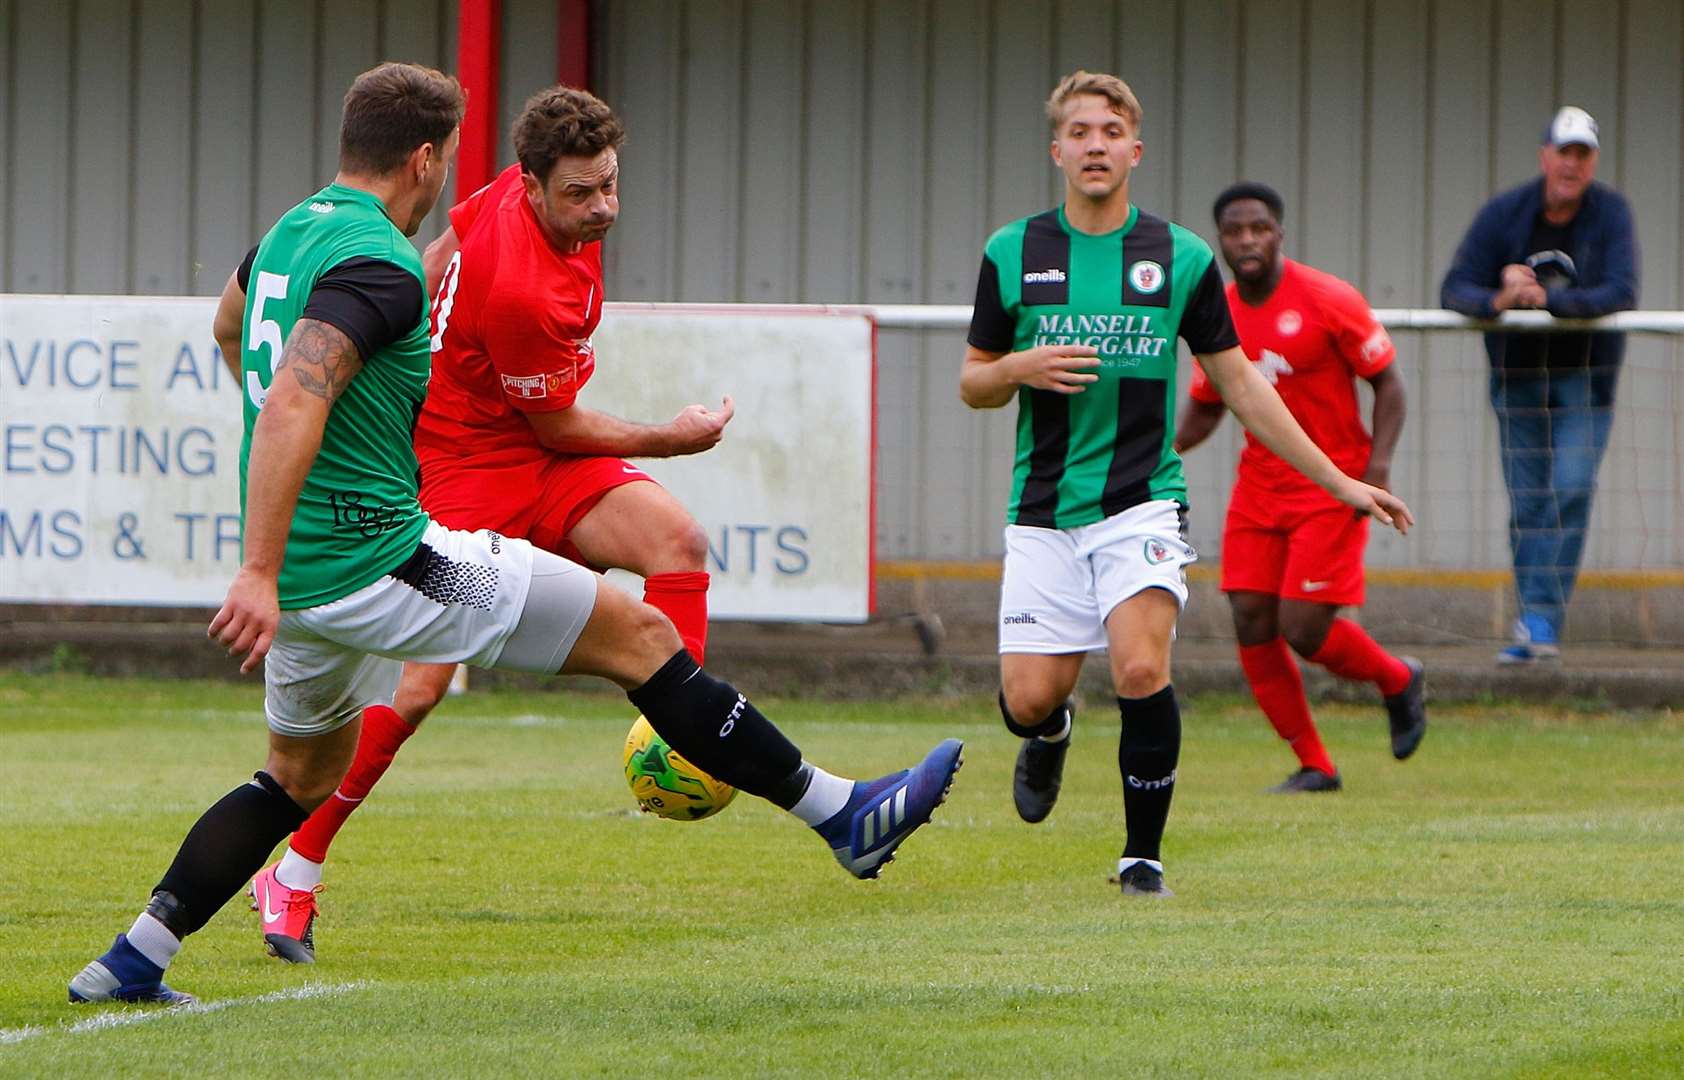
(264, 333)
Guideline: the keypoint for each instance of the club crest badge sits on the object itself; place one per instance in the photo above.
(1146, 276)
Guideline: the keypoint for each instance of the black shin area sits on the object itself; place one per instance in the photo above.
(715, 727)
(1147, 755)
(225, 847)
(1052, 725)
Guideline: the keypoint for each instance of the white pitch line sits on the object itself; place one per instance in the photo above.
(105, 1021)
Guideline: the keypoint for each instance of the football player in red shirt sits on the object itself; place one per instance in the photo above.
(502, 440)
(1291, 555)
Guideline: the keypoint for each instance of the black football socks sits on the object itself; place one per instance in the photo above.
(225, 847)
(1147, 755)
(721, 733)
(1052, 728)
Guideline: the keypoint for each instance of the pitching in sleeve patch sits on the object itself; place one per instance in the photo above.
(533, 387)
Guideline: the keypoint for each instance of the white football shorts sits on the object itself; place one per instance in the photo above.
(1059, 585)
(477, 598)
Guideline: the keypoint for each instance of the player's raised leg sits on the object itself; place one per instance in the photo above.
(1036, 703)
(1317, 633)
(1348, 651)
(710, 722)
(1278, 686)
(641, 527)
(629, 522)
(1049, 621)
(1139, 631)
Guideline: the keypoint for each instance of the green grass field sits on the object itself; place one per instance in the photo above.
(1509, 903)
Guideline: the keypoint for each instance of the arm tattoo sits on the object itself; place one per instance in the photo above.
(321, 358)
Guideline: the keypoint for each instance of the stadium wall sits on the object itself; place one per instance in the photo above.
(851, 150)
(860, 150)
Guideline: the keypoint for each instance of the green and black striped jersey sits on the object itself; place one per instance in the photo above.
(1129, 293)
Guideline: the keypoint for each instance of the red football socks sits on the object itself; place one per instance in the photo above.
(383, 732)
(1279, 688)
(683, 598)
(1351, 654)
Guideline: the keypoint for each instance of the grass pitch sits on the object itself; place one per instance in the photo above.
(1509, 903)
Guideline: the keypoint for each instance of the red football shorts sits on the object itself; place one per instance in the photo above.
(1293, 550)
(541, 501)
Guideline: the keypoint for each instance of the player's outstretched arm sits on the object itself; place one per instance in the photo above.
(225, 327)
(316, 366)
(1249, 396)
(990, 380)
(578, 430)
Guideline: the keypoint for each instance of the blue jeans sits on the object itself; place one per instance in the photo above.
(1553, 426)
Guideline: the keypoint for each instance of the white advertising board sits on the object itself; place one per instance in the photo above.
(120, 443)
(786, 496)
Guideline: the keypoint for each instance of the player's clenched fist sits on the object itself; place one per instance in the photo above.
(697, 428)
(1059, 368)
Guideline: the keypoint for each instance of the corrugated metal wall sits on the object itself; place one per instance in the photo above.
(860, 150)
(148, 143)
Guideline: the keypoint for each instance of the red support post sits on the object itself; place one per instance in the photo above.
(573, 53)
(479, 29)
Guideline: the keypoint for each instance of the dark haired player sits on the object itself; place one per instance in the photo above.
(344, 574)
(506, 444)
(1292, 554)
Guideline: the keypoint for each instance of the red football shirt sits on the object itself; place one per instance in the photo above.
(512, 326)
(1312, 337)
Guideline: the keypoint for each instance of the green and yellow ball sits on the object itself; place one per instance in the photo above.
(667, 785)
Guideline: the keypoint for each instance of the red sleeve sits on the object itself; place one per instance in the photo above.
(1363, 342)
(1201, 389)
(539, 350)
(465, 213)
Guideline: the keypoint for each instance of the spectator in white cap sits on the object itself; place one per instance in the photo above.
(1564, 243)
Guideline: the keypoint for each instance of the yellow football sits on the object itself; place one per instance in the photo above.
(666, 784)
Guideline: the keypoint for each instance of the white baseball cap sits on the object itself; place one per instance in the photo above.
(1571, 125)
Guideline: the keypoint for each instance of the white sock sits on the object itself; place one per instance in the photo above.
(297, 872)
(1063, 732)
(153, 940)
(1124, 864)
(825, 798)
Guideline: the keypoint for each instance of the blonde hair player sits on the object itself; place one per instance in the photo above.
(1078, 309)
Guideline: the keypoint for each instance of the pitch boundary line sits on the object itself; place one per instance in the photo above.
(107, 1021)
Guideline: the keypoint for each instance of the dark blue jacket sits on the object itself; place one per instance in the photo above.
(1604, 253)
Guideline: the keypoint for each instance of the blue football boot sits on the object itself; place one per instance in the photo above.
(123, 974)
(882, 813)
